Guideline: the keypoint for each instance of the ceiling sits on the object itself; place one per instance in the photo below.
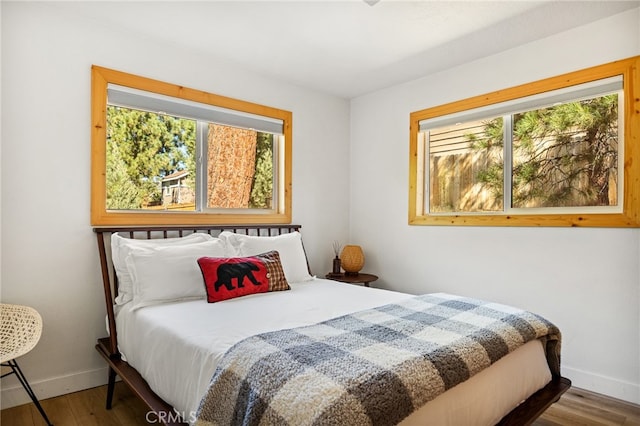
(347, 47)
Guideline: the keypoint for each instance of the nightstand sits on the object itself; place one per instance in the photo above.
(353, 279)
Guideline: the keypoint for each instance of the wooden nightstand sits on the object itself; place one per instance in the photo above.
(353, 279)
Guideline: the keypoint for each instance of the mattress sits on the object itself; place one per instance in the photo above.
(177, 346)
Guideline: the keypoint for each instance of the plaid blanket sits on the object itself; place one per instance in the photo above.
(371, 367)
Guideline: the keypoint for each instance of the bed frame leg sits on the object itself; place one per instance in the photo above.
(111, 387)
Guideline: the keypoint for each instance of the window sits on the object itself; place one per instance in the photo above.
(552, 153)
(165, 154)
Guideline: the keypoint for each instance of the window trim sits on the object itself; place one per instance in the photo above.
(100, 216)
(629, 69)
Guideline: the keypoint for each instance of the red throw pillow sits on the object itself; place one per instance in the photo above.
(229, 277)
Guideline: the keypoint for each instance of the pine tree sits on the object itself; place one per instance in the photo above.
(149, 147)
(564, 155)
(262, 187)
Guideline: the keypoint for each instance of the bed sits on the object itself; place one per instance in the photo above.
(167, 348)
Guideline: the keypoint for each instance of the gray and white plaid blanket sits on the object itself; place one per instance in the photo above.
(371, 367)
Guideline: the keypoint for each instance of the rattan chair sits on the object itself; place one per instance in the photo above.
(20, 330)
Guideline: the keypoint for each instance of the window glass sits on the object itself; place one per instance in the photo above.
(465, 167)
(151, 164)
(567, 155)
(150, 161)
(564, 155)
(240, 165)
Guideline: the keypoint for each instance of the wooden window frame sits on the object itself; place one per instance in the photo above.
(629, 69)
(100, 216)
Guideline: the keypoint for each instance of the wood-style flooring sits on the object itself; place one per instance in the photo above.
(576, 408)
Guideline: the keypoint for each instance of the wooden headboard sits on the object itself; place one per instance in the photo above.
(110, 280)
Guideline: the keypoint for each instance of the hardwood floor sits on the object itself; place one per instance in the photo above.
(86, 408)
(580, 407)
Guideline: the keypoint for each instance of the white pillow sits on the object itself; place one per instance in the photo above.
(289, 246)
(121, 247)
(170, 273)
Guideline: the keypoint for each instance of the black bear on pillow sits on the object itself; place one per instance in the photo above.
(227, 272)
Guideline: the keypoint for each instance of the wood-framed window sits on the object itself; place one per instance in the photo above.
(556, 152)
(164, 154)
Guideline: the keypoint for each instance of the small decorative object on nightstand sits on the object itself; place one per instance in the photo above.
(352, 259)
(353, 279)
(336, 266)
(336, 260)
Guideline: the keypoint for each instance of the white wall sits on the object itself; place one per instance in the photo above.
(49, 250)
(587, 281)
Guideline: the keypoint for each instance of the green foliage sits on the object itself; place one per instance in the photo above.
(492, 177)
(262, 186)
(142, 148)
(122, 193)
(564, 155)
(493, 136)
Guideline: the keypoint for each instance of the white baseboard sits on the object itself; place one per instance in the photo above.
(16, 395)
(615, 388)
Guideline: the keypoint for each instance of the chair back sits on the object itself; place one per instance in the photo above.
(20, 330)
